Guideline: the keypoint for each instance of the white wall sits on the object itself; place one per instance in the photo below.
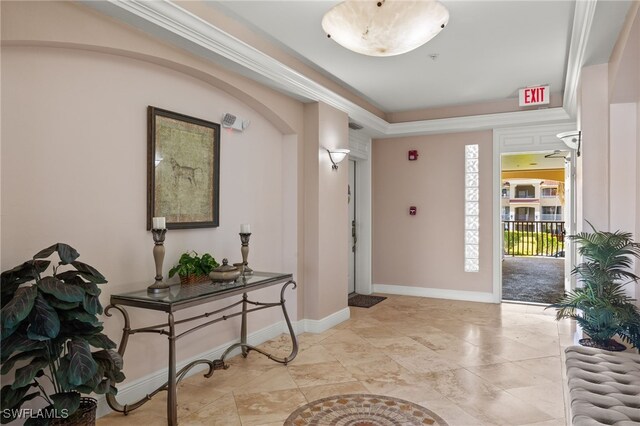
(593, 183)
(623, 179)
(360, 146)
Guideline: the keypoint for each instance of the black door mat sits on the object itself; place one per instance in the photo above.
(364, 301)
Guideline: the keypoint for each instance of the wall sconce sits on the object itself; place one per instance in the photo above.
(571, 139)
(336, 156)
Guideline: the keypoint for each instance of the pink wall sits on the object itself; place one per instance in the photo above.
(326, 203)
(67, 24)
(427, 250)
(76, 86)
(624, 63)
(333, 238)
(609, 116)
(74, 171)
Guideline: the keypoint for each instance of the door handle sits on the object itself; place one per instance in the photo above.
(353, 235)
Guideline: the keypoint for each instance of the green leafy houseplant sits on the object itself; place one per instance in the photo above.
(191, 264)
(49, 324)
(601, 306)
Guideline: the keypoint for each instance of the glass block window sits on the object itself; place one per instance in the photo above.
(471, 209)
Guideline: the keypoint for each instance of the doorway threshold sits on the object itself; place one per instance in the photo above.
(517, 302)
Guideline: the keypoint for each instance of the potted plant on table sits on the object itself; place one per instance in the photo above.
(192, 268)
(49, 325)
(600, 306)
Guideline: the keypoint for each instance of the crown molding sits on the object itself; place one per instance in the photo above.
(479, 122)
(170, 22)
(582, 22)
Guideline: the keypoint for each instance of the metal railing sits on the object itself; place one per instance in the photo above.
(533, 238)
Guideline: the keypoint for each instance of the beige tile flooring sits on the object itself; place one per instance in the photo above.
(471, 363)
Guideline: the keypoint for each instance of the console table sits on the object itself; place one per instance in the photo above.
(186, 296)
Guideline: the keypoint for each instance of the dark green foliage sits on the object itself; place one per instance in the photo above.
(50, 323)
(12, 399)
(66, 400)
(44, 323)
(192, 264)
(19, 307)
(524, 243)
(601, 306)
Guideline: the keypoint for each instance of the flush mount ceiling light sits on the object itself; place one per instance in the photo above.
(384, 27)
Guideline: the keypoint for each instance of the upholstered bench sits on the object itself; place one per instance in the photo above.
(604, 387)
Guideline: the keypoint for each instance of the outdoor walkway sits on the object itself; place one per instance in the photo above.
(532, 279)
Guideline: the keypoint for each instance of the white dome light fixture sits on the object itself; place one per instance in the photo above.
(384, 27)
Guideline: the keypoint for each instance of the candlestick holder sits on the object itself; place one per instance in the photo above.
(244, 239)
(158, 256)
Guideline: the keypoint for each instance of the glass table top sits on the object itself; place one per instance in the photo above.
(182, 296)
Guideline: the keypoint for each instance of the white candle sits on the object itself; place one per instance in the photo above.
(245, 228)
(159, 223)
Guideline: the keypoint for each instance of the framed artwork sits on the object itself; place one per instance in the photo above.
(183, 170)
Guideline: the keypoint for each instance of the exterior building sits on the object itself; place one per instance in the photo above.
(532, 200)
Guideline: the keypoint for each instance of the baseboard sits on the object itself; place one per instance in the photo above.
(137, 389)
(319, 326)
(436, 293)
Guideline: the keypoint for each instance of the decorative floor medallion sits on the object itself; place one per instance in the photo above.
(363, 410)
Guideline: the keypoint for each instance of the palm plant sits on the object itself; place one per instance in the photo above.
(601, 306)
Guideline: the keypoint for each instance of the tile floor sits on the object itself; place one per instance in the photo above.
(471, 363)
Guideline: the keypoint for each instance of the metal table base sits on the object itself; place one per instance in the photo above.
(169, 329)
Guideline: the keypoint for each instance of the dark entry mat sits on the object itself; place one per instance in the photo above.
(364, 301)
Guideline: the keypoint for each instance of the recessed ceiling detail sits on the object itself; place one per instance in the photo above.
(173, 23)
(486, 51)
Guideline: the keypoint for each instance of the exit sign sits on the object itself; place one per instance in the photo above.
(538, 95)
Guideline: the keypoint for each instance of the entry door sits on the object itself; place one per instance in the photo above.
(352, 226)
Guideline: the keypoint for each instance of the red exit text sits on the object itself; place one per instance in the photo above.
(538, 95)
